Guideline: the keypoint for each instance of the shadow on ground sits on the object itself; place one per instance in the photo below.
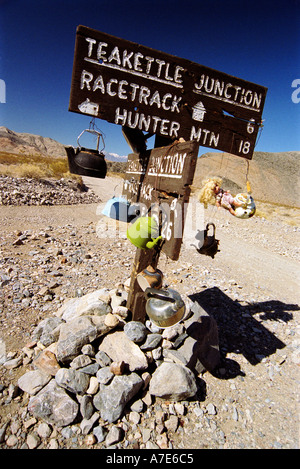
(239, 331)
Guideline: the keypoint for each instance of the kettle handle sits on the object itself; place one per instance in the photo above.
(94, 132)
(159, 294)
(214, 227)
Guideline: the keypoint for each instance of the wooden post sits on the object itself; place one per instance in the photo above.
(144, 257)
(136, 300)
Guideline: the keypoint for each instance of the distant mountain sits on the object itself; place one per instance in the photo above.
(274, 177)
(22, 143)
(115, 157)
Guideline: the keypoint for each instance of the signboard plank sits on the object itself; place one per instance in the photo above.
(141, 88)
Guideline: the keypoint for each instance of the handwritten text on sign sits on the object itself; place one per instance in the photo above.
(163, 176)
(141, 88)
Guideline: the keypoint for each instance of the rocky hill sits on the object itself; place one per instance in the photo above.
(23, 143)
(274, 177)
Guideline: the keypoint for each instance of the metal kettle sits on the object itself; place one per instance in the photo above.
(87, 162)
(165, 308)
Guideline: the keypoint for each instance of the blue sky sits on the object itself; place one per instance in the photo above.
(258, 41)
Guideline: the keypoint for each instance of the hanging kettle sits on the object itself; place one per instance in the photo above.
(210, 243)
(119, 208)
(150, 277)
(87, 162)
(248, 209)
(165, 308)
(144, 233)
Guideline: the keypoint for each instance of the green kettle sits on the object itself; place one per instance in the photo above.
(144, 233)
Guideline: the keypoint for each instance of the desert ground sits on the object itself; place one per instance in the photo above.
(250, 287)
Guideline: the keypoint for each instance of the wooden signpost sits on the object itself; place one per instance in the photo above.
(163, 176)
(159, 177)
(144, 89)
(148, 92)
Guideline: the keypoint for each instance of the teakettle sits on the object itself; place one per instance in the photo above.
(119, 208)
(144, 233)
(150, 277)
(164, 307)
(247, 210)
(210, 243)
(87, 162)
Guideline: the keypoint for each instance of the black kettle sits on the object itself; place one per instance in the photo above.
(210, 245)
(87, 162)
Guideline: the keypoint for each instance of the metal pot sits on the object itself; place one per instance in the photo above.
(119, 208)
(247, 210)
(164, 307)
(150, 278)
(87, 162)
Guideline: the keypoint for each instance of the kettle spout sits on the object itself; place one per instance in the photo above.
(152, 244)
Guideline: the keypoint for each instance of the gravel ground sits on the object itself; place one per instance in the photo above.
(51, 253)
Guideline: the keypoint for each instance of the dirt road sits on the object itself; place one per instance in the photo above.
(251, 287)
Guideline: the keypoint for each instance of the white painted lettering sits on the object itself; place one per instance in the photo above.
(237, 89)
(115, 56)
(134, 89)
(160, 64)
(229, 85)
(91, 44)
(108, 87)
(164, 127)
(144, 94)
(126, 59)
(99, 84)
(164, 99)
(167, 77)
(100, 52)
(181, 161)
(214, 139)
(155, 99)
(198, 86)
(204, 136)
(177, 74)
(131, 124)
(256, 100)
(208, 88)
(174, 128)
(121, 92)
(219, 88)
(156, 120)
(149, 62)
(137, 63)
(120, 118)
(86, 78)
(175, 102)
(227, 92)
(144, 123)
(248, 97)
(147, 123)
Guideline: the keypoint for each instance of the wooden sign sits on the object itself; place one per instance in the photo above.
(141, 88)
(163, 176)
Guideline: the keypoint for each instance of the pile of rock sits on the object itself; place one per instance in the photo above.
(29, 191)
(90, 361)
